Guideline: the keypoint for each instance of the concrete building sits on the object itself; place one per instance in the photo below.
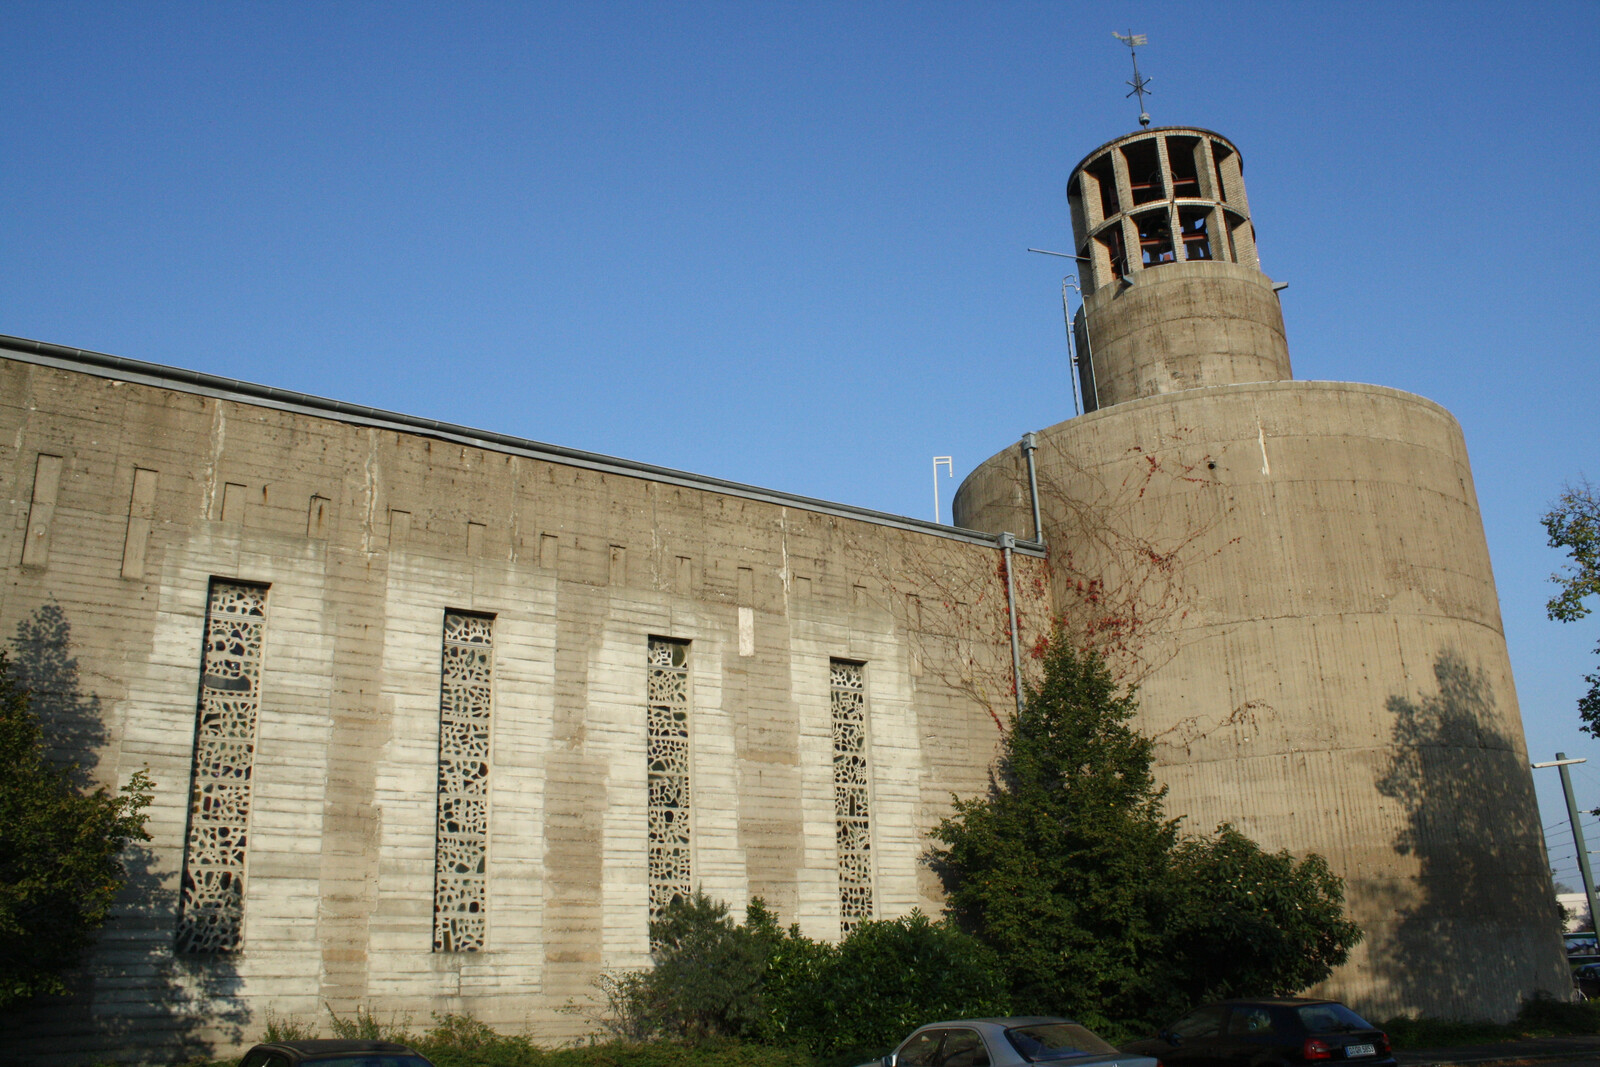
(1315, 624)
(438, 716)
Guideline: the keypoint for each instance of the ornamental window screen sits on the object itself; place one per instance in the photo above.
(211, 903)
(462, 842)
(851, 792)
(667, 749)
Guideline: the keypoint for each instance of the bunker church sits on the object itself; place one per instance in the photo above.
(438, 717)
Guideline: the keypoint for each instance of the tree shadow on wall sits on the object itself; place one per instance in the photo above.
(1477, 927)
(42, 663)
(131, 996)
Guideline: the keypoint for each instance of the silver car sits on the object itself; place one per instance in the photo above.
(1014, 1042)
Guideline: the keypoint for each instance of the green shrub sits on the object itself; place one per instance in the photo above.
(887, 978)
(707, 978)
(1070, 869)
(1545, 1015)
(1418, 1032)
(281, 1029)
(1542, 1016)
(364, 1025)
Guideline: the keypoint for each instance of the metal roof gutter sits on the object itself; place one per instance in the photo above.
(43, 353)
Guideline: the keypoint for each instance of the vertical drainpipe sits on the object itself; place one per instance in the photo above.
(1030, 444)
(1007, 543)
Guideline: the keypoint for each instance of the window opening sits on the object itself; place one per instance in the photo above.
(1105, 177)
(1075, 200)
(1195, 222)
(1242, 236)
(851, 792)
(1220, 152)
(1181, 158)
(461, 844)
(1110, 239)
(667, 745)
(1155, 237)
(1144, 172)
(211, 904)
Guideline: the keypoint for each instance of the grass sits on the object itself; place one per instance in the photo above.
(1543, 1016)
(462, 1041)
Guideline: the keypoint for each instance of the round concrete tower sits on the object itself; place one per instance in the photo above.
(1295, 574)
(1149, 201)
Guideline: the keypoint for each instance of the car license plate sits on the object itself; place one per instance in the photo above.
(1352, 1051)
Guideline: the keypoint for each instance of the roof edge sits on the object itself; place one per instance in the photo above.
(120, 368)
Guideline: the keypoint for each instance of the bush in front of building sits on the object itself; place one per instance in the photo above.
(757, 981)
(1095, 904)
(60, 853)
(885, 979)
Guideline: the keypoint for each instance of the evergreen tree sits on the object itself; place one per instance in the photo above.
(1060, 868)
(1070, 870)
(59, 847)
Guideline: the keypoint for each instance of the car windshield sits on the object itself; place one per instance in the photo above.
(1055, 1041)
(369, 1059)
(1331, 1018)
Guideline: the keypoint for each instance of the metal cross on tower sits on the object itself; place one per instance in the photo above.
(1140, 85)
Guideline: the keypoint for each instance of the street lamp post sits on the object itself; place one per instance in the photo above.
(1561, 763)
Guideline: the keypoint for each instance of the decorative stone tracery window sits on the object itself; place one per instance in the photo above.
(667, 746)
(211, 905)
(851, 792)
(462, 843)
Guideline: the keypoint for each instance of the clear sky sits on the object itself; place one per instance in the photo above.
(784, 243)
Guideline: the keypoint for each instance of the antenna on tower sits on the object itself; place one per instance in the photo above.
(1140, 85)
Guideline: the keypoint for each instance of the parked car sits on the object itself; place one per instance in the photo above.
(1014, 1042)
(332, 1053)
(1587, 979)
(1253, 1033)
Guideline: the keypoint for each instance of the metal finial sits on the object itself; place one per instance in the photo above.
(1140, 84)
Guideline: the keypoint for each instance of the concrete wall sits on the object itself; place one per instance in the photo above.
(1309, 609)
(367, 535)
(1185, 326)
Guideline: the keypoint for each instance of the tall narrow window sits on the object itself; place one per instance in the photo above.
(1144, 172)
(851, 792)
(1182, 157)
(466, 699)
(1110, 239)
(1155, 237)
(1196, 225)
(1106, 178)
(211, 907)
(667, 747)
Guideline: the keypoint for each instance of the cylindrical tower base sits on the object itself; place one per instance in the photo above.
(1296, 575)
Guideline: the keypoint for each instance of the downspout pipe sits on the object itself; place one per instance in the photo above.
(1030, 445)
(1008, 541)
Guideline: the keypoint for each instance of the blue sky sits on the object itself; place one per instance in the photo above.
(783, 243)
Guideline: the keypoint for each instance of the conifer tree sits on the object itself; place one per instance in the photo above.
(1060, 868)
(1071, 871)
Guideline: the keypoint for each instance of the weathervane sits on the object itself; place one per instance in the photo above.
(1134, 41)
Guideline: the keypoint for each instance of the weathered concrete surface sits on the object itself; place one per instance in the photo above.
(1185, 326)
(1320, 655)
(367, 536)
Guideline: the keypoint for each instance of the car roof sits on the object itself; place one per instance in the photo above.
(333, 1044)
(1007, 1021)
